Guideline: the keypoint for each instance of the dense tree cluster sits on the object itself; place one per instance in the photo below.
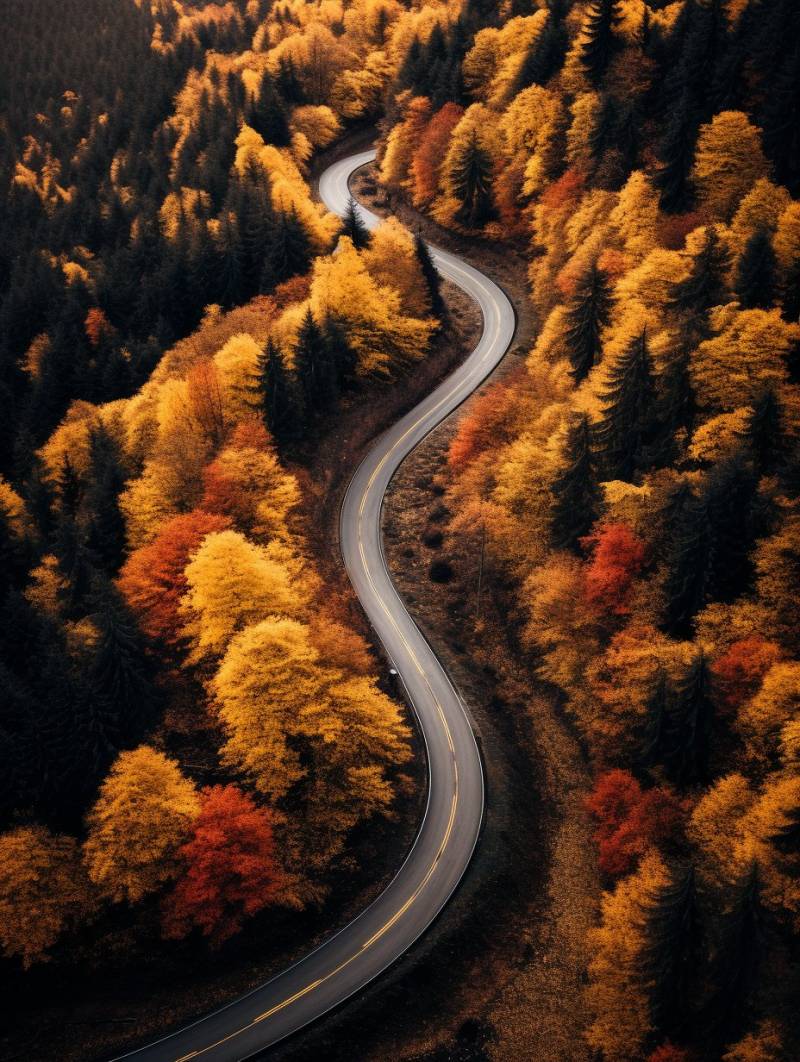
(176, 333)
(638, 482)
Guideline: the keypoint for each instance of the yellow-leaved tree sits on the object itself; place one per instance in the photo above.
(392, 262)
(296, 726)
(44, 891)
(143, 814)
(728, 161)
(232, 584)
(383, 337)
(617, 994)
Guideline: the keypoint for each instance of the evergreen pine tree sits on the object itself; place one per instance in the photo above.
(600, 40)
(281, 403)
(289, 253)
(781, 120)
(267, 115)
(288, 83)
(629, 435)
(587, 315)
(341, 353)
(730, 497)
(353, 226)
(657, 713)
(577, 497)
(790, 292)
(120, 675)
(736, 961)
(315, 367)
(229, 281)
(669, 962)
(433, 281)
(107, 529)
(764, 433)
(676, 151)
(687, 742)
(756, 272)
(472, 183)
(704, 288)
(688, 549)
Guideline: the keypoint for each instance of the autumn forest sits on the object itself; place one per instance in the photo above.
(205, 762)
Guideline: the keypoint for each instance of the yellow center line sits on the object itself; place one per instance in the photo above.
(413, 656)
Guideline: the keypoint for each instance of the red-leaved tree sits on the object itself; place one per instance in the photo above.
(617, 557)
(739, 671)
(231, 871)
(629, 820)
(152, 579)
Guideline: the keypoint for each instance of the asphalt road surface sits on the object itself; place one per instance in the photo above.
(447, 836)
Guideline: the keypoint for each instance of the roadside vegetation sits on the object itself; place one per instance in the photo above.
(634, 488)
(192, 730)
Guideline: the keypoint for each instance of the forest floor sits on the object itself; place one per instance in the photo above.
(501, 975)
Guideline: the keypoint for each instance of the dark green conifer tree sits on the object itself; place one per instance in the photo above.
(315, 367)
(544, 57)
(736, 960)
(577, 500)
(341, 353)
(353, 226)
(688, 557)
(587, 315)
(704, 288)
(676, 152)
(687, 742)
(267, 115)
(432, 279)
(670, 962)
(764, 433)
(472, 183)
(656, 718)
(289, 253)
(756, 272)
(120, 676)
(630, 435)
(601, 41)
(281, 403)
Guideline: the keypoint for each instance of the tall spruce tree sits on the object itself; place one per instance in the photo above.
(472, 183)
(587, 315)
(267, 114)
(629, 434)
(340, 352)
(577, 500)
(756, 272)
(315, 367)
(281, 403)
(688, 733)
(764, 433)
(658, 706)
(120, 677)
(600, 41)
(353, 226)
(705, 287)
(737, 960)
(676, 152)
(780, 120)
(669, 964)
(688, 558)
(433, 281)
(289, 253)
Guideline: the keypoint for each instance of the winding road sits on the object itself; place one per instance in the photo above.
(447, 836)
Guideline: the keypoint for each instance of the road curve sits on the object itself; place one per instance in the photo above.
(447, 836)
